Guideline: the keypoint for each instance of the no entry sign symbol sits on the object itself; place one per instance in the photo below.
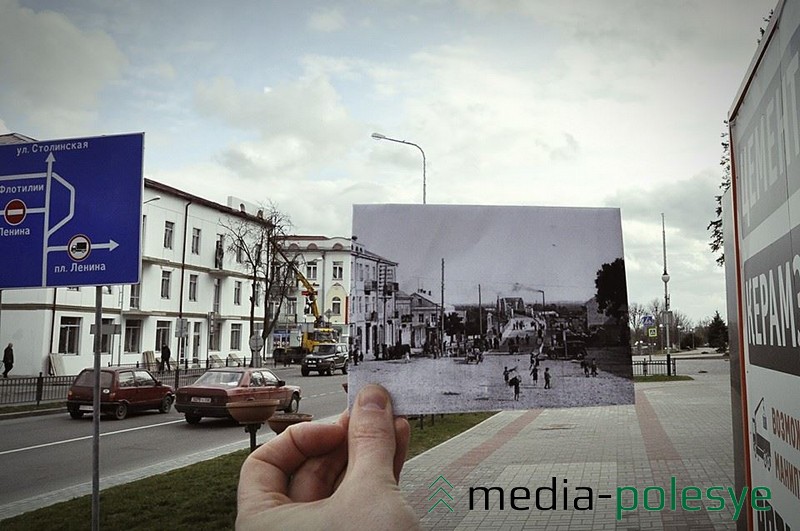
(15, 212)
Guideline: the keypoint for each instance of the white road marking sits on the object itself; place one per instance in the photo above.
(56, 443)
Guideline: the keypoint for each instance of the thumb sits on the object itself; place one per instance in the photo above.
(371, 436)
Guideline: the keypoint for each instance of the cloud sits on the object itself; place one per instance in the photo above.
(298, 127)
(327, 20)
(52, 71)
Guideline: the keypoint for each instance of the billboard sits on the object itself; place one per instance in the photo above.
(765, 146)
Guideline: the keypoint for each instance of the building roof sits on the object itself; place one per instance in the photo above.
(15, 138)
(197, 200)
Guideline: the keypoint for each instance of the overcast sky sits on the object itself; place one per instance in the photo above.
(509, 251)
(583, 103)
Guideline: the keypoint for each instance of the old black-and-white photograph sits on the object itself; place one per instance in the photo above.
(484, 308)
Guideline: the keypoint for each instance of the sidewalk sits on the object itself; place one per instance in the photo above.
(676, 429)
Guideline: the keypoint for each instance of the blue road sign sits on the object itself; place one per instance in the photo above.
(648, 320)
(71, 212)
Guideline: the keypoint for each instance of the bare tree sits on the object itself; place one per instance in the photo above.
(636, 312)
(256, 242)
(715, 225)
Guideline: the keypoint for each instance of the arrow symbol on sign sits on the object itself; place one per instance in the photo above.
(111, 245)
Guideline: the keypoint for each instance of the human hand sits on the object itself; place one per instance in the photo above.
(333, 476)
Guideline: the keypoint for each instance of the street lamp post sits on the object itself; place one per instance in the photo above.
(665, 279)
(378, 136)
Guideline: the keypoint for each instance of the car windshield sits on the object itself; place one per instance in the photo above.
(220, 379)
(86, 379)
(325, 349)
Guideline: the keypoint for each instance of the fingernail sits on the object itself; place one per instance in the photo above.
(372, 397)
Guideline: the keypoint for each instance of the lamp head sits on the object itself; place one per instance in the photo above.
(378, 136)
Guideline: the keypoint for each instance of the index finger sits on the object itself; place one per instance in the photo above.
(265, 474)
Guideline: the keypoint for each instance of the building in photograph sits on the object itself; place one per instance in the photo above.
(374, 318)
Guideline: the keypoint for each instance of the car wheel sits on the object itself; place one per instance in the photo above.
(294, 404)
(166, 404)
(193, 419)
(121, 411)
(344, 368)
(329, 372)
(304, 371)
(76, 413)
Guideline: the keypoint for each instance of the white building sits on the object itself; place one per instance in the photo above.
(194, 296)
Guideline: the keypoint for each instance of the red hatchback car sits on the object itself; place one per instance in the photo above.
(210, 394)
(121, 390)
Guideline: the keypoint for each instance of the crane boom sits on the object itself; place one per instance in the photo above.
(312, 292)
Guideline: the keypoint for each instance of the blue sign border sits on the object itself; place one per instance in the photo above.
(80, 224)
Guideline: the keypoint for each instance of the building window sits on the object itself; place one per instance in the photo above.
(196, 333)
(237, 293)
(219, 251)
(257, 293)
(193, 288)
(236, 336)
(291, 307)
(239, 253)
(133, 335)
(135, 295)
(213, 338)
(338, 270)
(169, 230)
(162, 334)
(311, 271)
(105, 338)
(217, 294)
(336, 306)
(195, 241)
(166, 278)
(68, 335)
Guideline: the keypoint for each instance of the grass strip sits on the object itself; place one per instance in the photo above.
(198, 497)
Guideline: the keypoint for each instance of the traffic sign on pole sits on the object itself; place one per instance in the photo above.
(71, 212)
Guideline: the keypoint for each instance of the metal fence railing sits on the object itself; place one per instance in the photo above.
(38, 389)
(654, 367)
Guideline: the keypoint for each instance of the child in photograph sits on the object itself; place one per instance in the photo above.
(547, 378)
(515, 383)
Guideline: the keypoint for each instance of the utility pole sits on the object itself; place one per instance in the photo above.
(441, 320)
(480, 319)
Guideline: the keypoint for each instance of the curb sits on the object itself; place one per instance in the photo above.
(31, 413)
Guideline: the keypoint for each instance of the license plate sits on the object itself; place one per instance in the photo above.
(201, 399)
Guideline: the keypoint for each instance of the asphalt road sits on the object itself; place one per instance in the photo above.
(45, 459)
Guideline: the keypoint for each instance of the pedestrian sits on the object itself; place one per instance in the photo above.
(547, 378)
(594, 368)
(165, 354)
(8, 359)
(515, 383)
(535, 374)
(585, 367)
(505, 374)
